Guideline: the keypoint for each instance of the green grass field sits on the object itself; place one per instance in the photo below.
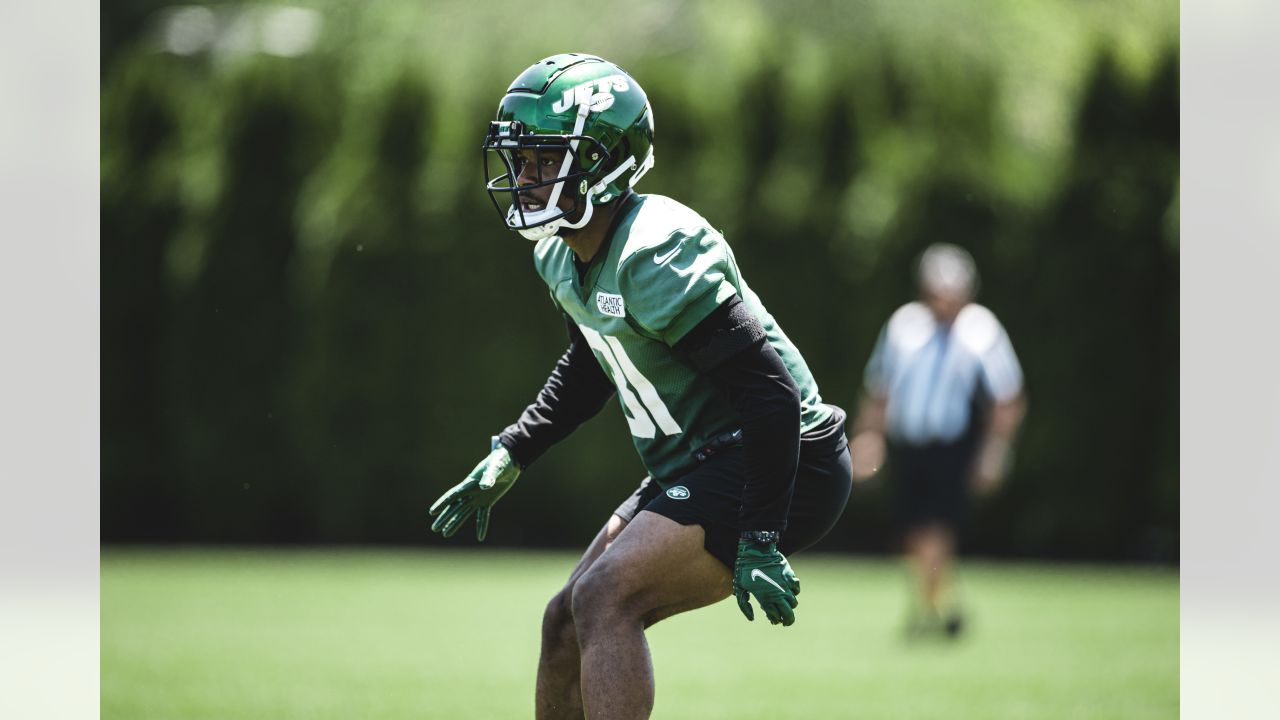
(251, 634)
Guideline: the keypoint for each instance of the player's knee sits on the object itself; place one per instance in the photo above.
(557, 619)
(585, 597)
(594, 597)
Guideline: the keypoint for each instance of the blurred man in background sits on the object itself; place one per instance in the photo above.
(943, 400)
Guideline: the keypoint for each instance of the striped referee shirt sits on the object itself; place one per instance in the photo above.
(929, 372)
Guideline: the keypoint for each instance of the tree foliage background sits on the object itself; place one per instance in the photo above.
(313, 320)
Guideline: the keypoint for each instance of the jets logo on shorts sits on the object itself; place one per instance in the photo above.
(678, 492)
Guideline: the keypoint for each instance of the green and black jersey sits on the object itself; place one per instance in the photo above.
(662, 270)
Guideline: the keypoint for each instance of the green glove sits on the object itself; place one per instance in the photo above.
(491, 479)
(763, 571)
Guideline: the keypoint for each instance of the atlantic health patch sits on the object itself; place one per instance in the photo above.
(610, 304)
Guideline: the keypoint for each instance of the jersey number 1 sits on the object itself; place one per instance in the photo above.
(625, 376)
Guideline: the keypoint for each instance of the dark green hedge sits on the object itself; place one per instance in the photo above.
(312, 321)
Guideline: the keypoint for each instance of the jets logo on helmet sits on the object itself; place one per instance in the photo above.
(588, 127)
(597, 93)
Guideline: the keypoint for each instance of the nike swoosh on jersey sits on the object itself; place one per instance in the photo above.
(756, 574)
(659, 259)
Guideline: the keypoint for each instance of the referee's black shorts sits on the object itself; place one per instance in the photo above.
(710, 495)
(930, 483)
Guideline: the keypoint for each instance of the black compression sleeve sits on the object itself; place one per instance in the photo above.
(730, 348)
(573, 394)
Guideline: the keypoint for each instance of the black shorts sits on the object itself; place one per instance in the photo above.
(930, 483)
(712, 494)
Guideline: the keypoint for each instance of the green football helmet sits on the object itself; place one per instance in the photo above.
(587, 115)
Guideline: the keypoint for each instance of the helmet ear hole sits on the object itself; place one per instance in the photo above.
(589, 157)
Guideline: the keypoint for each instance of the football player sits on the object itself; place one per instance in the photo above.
(746, 464)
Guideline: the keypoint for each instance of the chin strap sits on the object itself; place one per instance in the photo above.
(623, 166)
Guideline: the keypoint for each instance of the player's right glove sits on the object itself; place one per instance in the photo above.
(491, 479)
(762, 571)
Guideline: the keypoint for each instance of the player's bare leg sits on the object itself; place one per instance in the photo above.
(656, 568)
(558, 695)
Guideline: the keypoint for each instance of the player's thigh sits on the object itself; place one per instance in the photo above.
(654, 569)
(602, 541)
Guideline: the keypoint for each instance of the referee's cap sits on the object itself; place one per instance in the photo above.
(947, 269)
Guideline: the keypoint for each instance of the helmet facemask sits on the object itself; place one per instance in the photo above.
(573, 176)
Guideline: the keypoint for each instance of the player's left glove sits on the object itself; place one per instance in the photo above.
(762, 571)
(491, 479)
